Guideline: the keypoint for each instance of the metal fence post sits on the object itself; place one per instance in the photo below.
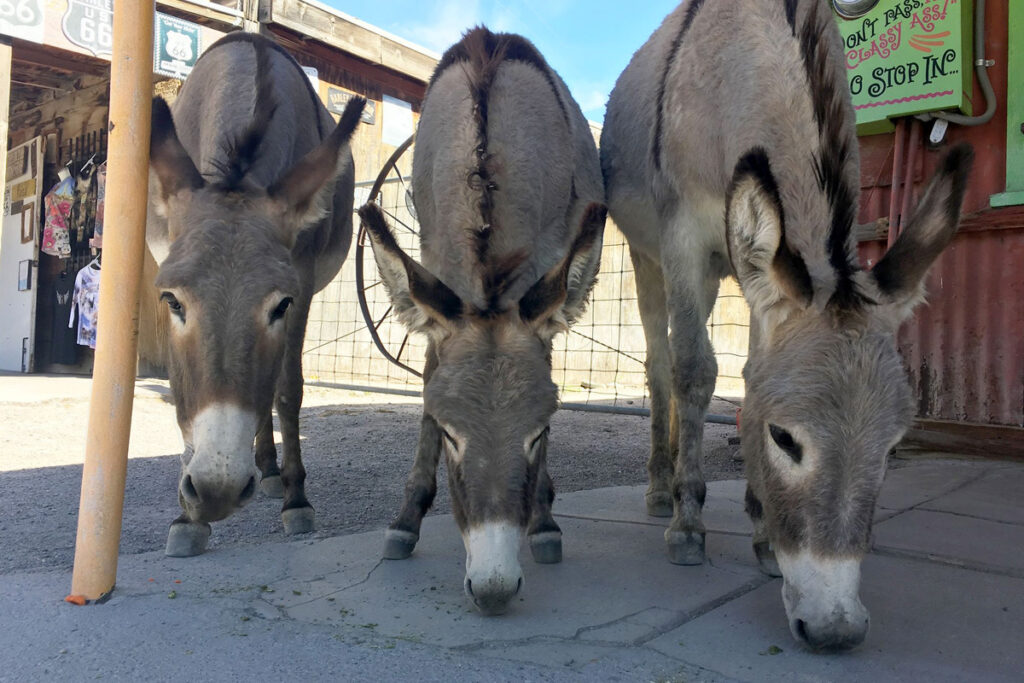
(113, 387)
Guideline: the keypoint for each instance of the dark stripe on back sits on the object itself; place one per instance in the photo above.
(691, 13)
(791, 14)
(482, 52)
(830, 162)
(256, 39)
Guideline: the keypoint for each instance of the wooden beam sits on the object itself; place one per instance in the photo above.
(989, 441)
(56, 59)
(351, 37)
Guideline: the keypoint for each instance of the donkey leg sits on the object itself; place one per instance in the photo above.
(691, 289)
(296, 512)
(762, 548)
(266, 460)
(186, 537)
(650, 285)
(421, 485)
(544, 533)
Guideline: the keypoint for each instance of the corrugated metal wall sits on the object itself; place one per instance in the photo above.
(965, 348)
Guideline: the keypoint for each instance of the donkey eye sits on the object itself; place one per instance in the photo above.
(280, 310)
(786, 442)
(174, 305)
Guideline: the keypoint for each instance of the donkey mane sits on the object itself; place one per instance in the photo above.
(481, 52)
(833, 157)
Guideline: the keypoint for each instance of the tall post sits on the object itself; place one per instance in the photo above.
(113, 387)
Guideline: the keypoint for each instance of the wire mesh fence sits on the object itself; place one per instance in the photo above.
(598, 365)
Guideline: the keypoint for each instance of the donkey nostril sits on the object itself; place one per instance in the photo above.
(519, 584)
(249, 489)
(469, 587)
(188, 489)
(801, 630)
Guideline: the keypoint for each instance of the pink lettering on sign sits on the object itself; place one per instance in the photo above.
(882, 46)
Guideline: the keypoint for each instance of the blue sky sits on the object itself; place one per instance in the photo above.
(589, 42)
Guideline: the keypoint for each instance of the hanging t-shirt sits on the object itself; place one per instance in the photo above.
(86, 299)
(56, 226)
(62, 345)
(101, 200)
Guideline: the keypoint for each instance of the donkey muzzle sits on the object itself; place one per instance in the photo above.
(493, 574)
(822, 601)
(220, 476)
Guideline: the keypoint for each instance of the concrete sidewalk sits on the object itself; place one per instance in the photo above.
(944, 584)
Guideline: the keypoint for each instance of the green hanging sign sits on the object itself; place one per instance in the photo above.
(907, 57)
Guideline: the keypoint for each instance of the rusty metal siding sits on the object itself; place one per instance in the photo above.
(964, 349)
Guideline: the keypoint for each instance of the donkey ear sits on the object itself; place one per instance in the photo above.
(306, 190)
(768, 270)
(900, 274)
(171, 164)
(559, 298)
(422, 302)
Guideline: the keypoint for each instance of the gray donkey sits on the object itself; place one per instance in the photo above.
(250, 214)
(740, 109)
(507, 187)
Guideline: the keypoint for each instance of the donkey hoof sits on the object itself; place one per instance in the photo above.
(659, 504)
(546, 547)
(187, 539)
(766, 559)
(685, 547)
(272, 486)
(399, 544)
(299, 520)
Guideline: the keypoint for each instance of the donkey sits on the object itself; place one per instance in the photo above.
(250, 214)
(740, 109)
(507, 186)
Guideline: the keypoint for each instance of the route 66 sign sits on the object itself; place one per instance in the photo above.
(176, 46)
(22, 19)
(89, 24)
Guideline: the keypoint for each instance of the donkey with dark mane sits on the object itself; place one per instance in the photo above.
(740, 109)
(250, 214)
(507, 187)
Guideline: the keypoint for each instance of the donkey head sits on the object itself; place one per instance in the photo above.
(489, 389)
(228, 281)
(827, 395)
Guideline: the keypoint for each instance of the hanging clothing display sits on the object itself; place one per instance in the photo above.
(101, 197)
(83, 210)
(86, 299)
(57, 223)
(64, 338)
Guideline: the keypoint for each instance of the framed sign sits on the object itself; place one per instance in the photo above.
(337, 99)
(89, 24)
(907, 57)
(176, 46)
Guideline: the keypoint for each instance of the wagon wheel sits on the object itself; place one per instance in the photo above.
(390, 185)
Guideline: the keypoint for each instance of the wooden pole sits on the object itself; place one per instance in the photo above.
(113, 387)
(5, 99)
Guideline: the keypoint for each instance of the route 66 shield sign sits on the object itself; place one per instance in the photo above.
(89, 24)
(22, 19)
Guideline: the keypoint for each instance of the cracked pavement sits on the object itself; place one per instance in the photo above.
(944, 583)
